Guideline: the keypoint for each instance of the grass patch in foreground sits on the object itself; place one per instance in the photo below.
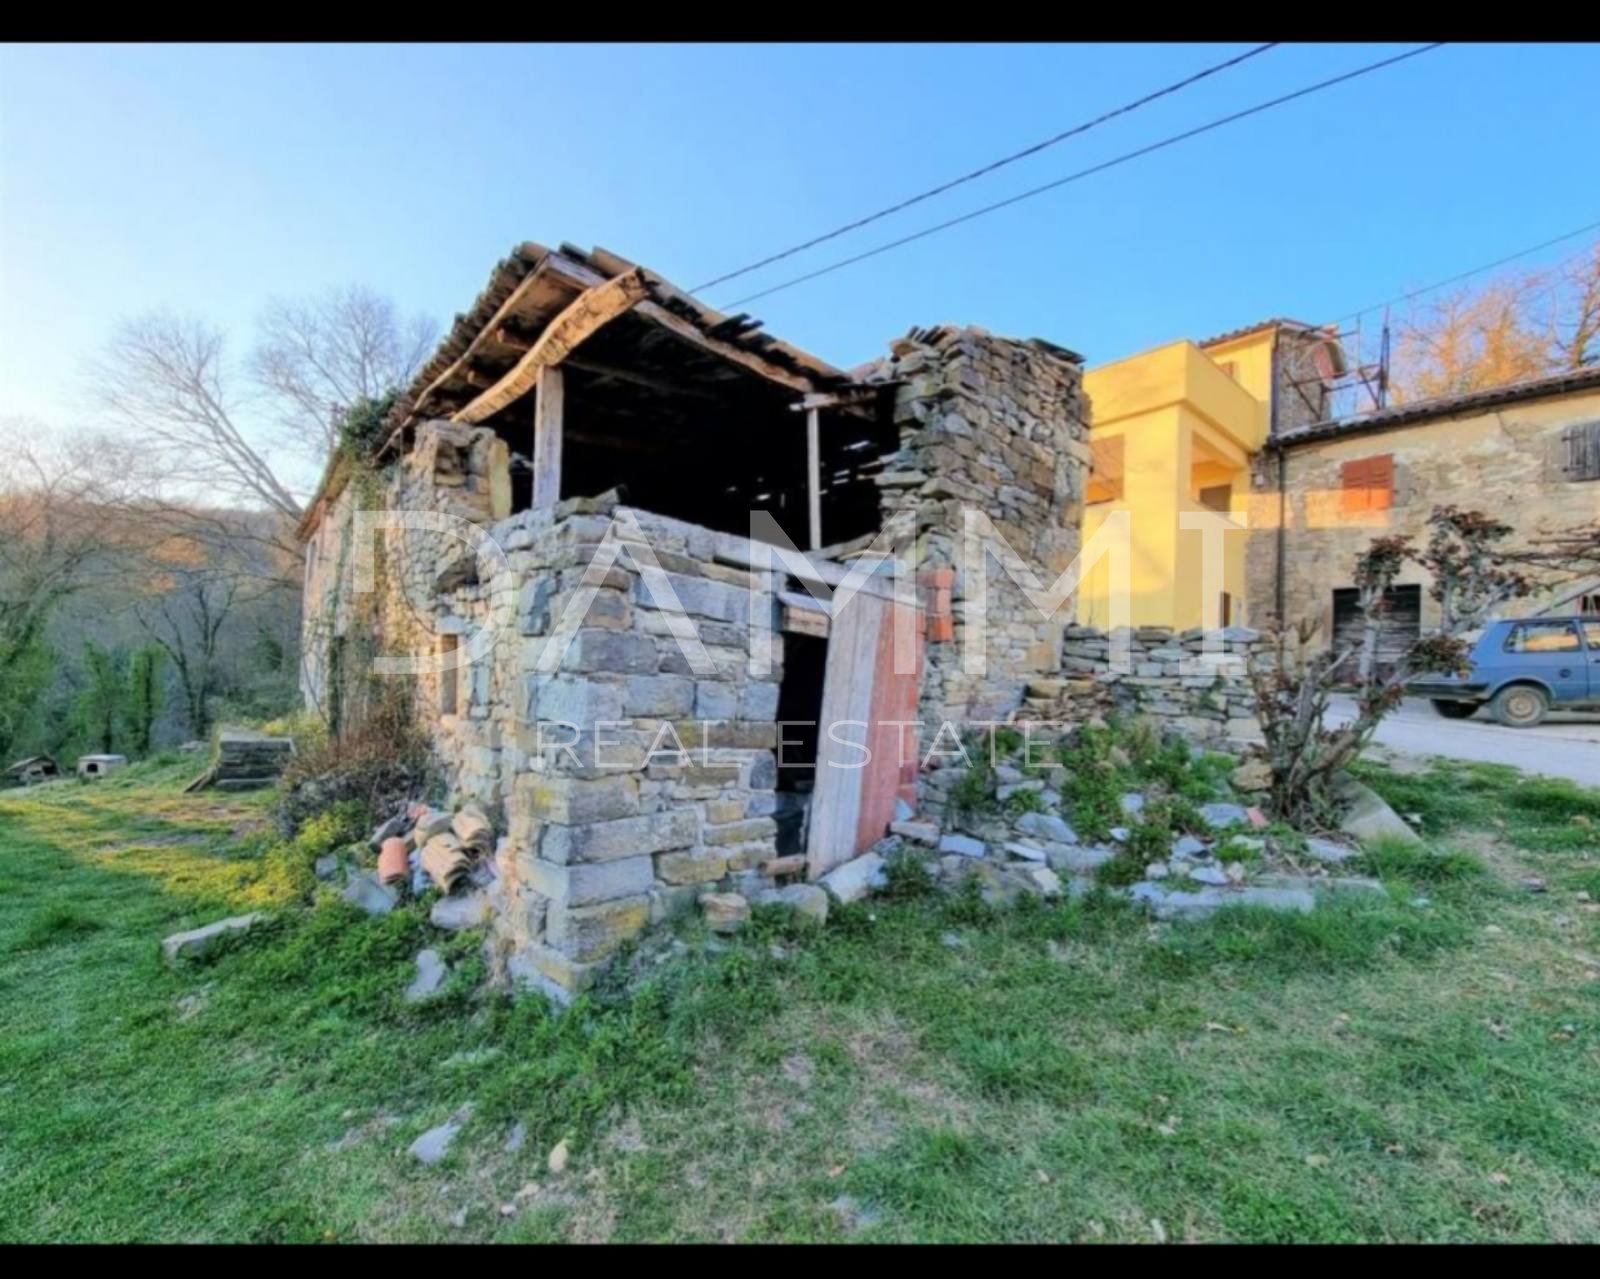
(1416, 1064)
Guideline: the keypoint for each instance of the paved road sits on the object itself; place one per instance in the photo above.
(1566, 745)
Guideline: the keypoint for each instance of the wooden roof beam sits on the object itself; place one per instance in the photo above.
(588, 314)
(554, 268)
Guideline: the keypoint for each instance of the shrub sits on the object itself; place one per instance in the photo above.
(973, 795)
(1122, 871)
(377, 763)
(907, 876)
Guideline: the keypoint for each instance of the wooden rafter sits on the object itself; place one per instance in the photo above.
(554, 269)
(591, 311)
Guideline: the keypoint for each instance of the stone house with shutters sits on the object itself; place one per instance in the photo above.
(1528, 453)
(584, 413)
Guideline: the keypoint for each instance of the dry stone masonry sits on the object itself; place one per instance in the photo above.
(1197, 683)
(625, 785)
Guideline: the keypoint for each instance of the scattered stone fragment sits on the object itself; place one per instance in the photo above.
(1253, 775)
(724, 912)
(1120, 834)
(1257, 818)
(516, 1138)
(856, 878)
(806, 900)
(1156, 870)
(1032, 785)
(1132, 803)
(1367, 817)
(1045, 880)
(963, 845)
(1298, 900)
(557, 1161)
(1046, 826)
(917, 832)
(431, 972)
(1221, 816)
(364, 892)
(469, 910)
(1208, 875)
(955, 941)
(326, 866)
(197, 941)
(434, 1144)
(1327, 850)
(1189, 846)
(1028, 852)
(1533, 884)
(1080, 859)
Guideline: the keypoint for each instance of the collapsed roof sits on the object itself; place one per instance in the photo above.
(653, 378)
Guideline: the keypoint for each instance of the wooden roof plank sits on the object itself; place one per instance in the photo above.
(584, 316)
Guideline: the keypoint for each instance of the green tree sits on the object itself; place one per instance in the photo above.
(99, 704)
(25, 666)
(144, 697)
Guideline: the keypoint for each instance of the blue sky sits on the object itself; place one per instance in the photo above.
(207, 179)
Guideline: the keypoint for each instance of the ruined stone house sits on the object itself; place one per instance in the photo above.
(582, 395)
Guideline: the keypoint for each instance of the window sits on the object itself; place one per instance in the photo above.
(1225, 609)
(1589, 605)
(1543, 637)
(1105, 470)
(1230, 367)
(1583, 451)
(449, 676)
(1591, 632)
(1217, 497)
(1368, 483)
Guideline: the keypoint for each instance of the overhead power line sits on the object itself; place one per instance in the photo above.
(1477, 270)
(990, 168)
(1093, 169)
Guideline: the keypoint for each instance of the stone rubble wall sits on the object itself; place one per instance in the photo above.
(604, 836)
(1199, 687)
(1002, 426)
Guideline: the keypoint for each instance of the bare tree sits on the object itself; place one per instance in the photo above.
(1520, 325)
(1472, 576)
(321, 356)
(1467, 341)
(168, 381)
(1575, 318)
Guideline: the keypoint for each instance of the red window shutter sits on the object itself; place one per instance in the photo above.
(1368, 483)
(1380, 482)
(1353, 480)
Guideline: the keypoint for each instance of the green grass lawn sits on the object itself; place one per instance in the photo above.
(1424, 1066)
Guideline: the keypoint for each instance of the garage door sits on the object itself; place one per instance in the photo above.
(1400, 628)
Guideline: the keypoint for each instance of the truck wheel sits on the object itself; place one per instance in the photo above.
(1520, 706)
(1455, 710)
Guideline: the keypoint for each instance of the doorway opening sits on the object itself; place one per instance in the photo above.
(805, 659)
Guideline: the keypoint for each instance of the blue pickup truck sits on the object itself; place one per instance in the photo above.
(1521, 669)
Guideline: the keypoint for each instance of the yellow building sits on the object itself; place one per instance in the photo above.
(1173, 431)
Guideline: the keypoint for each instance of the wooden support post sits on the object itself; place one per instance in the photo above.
(547, 438)
(814, 476)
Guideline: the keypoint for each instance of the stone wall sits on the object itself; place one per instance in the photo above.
(1001, 426)
(629, 784)
(1196, 683)
(1506, 462)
